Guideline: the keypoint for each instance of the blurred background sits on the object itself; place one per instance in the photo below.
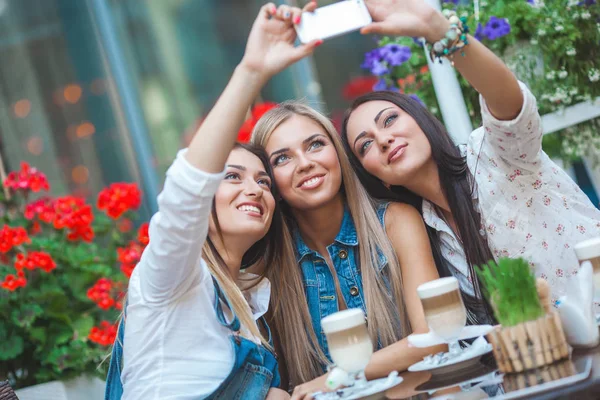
(97, 91)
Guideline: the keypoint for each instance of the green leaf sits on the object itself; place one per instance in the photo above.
(38, 334)
(83, 325)
(26, 315)
(11, 348)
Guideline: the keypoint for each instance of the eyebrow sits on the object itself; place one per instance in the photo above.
(376, 119)
(308, 139)
(242, 168)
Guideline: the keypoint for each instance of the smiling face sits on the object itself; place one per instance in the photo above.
(244, 203)
(305, 163)
(388, 142)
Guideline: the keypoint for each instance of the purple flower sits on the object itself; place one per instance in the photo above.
(395, 54)
(417, 99)
(379, 68)
(451, 1)
(479, 32)
(371, 58)
(496, 28)
(380, 85)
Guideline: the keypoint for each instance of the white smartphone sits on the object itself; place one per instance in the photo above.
(333, 20)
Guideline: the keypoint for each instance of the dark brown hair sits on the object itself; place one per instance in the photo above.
(456, 183)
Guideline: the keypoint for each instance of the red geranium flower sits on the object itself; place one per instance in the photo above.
(11, 283)
(143, 237)
(11, 237)
(27, 179)
(33, 260)
(119, 198)
(129, 257)
(255, 114)
(359, 86)
(104, 335)
(42, 208)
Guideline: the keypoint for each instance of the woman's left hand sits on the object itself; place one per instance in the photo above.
(305, 391)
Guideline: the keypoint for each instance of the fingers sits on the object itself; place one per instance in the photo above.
(310, 7)
(284, 13)
(296, 15)
(267, 11)
(380, 28)
(305, 50)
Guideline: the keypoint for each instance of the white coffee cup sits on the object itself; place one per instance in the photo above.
(589, 250)
(348, 339)
(443, 307)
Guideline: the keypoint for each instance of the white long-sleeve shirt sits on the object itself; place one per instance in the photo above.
(174, 345)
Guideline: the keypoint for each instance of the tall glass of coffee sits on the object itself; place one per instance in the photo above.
(444, 310)
(349, 342)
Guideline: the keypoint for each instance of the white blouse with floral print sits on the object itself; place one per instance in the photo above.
(529, 206)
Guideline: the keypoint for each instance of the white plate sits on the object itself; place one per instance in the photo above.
(431, 339)
(468, 357)
(373, 389)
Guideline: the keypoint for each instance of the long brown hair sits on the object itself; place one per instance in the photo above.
(388, 321)
(456, 184)
(266, 254)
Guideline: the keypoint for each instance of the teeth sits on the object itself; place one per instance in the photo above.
(311, 181)
(246, 207)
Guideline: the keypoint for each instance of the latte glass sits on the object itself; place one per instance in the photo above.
(589, 250)
(349, 342)
(444, 310)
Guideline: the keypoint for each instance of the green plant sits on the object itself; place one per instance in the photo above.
(553, 46)
(511, 289)
(60, 282)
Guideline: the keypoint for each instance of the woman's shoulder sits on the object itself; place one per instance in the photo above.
(400, 214)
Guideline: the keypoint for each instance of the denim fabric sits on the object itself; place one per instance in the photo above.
(318, 280)
(253, 373)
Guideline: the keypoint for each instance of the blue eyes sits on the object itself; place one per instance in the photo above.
(314, 145)
(389, 120)
(368, 142)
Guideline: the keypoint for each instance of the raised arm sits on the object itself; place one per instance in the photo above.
(169, 265)
(480, 66)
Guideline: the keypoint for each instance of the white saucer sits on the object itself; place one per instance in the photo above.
(372, 390)
(467, 358)
(431, 339)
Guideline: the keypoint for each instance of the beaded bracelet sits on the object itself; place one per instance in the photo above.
(455, 39)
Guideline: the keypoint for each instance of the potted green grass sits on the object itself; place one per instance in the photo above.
(531, 334)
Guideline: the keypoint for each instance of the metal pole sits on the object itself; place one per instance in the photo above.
(449, 96)
(128, 95)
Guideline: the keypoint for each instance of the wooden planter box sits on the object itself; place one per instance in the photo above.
(529, 345)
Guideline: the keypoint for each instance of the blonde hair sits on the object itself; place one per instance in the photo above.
(384, 309)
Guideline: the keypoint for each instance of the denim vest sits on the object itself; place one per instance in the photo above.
(253, 373)
(319, 284)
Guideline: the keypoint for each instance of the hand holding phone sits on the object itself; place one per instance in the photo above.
(333, 20)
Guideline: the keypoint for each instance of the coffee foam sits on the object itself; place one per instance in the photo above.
(587, 249)
(437, 287)
(342, 320)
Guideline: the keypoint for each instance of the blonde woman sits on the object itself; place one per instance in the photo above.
(350, 252)
(192, 326)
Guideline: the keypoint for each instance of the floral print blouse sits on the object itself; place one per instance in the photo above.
(529, 206)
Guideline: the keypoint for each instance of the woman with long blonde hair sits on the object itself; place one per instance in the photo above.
(192, 324)
(350, 251)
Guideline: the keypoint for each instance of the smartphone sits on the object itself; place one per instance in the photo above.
(333, 20)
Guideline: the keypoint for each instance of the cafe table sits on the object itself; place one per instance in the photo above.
(583, 363)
